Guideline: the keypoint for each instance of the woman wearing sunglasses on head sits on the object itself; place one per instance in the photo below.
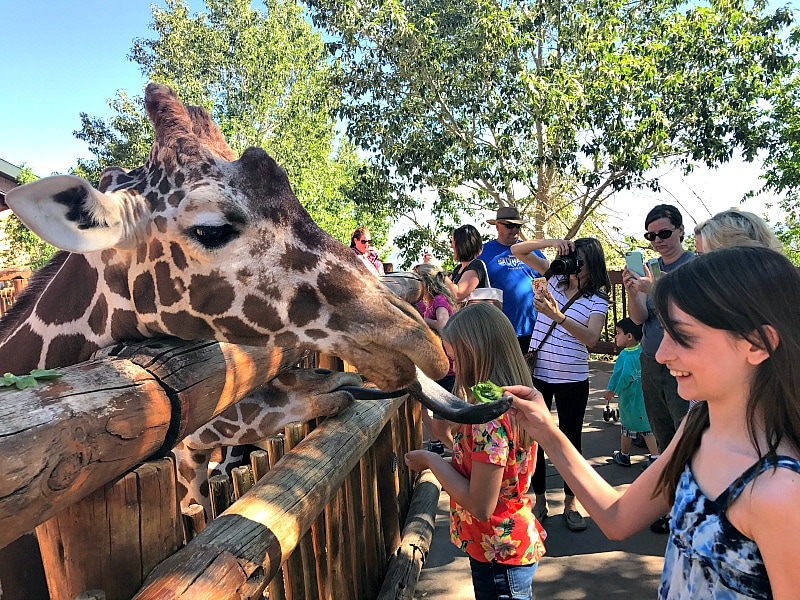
(665, 408)
(361, 243)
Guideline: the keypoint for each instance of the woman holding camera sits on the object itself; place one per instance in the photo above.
(572, 310)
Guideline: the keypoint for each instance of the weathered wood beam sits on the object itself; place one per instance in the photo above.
(240, 551)
(67, 437)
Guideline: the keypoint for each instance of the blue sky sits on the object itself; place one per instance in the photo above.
(64, 58)
(61, 59)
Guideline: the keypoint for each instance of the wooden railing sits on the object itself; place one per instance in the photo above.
(10, 289)
(329, 512)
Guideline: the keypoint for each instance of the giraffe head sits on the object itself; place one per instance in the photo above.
(200, 245)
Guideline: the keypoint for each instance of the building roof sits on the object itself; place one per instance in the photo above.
(8, 170)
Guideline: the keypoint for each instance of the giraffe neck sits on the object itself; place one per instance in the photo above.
(65, 314)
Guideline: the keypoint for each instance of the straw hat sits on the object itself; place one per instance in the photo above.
(507, 214)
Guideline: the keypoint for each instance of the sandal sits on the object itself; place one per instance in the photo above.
(575, 521)
(540, 512)
(661, 525)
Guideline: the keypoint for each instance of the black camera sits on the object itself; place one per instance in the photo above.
(568, 264)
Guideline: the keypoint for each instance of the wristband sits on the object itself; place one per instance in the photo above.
(564, 320)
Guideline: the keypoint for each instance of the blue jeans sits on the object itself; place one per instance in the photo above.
(495, 581)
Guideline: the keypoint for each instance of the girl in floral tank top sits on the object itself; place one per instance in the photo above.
(491, 518)
(732, 472)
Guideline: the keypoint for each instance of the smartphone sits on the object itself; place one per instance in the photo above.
(655, 268)
(634, 262)
(539, 285)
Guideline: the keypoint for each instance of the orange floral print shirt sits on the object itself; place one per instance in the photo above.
(512, 535)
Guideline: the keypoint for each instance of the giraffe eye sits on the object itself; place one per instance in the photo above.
(213, 236)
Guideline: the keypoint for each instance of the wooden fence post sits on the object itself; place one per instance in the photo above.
(136, 523)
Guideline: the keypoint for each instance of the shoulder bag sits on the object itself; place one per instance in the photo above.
(532, 355)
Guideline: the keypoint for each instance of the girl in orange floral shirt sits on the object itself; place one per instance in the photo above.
(491, 518)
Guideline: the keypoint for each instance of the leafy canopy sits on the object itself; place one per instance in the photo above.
(548, 107)
(264, 76)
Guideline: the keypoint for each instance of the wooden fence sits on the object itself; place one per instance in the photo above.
(323, 522)
(330, 511)
(12, 283)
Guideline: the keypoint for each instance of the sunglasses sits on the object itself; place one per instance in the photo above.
(363, 241)
(510, 225)
(663, 234)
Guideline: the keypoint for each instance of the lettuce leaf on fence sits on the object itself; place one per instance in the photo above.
(26, 381)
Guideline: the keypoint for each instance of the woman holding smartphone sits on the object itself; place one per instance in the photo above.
(572, 311)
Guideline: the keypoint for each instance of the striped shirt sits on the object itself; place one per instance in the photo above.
(564, 359)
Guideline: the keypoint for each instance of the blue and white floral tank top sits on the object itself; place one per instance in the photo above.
(706, 556)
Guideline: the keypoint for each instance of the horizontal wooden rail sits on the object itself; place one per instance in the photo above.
(241, 550)
(68, 436)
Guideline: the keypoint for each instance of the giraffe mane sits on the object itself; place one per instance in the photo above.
(22, 305)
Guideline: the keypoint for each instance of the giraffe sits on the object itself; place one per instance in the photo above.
(198, 244)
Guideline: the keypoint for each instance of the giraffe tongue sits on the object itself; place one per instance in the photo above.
(439, 400)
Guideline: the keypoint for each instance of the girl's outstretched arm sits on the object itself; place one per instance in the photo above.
(618, 514)
(478, 495)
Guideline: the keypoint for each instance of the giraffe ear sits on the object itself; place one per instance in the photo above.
(68, 213)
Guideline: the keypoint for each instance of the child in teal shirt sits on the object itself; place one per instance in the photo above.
(626, 382)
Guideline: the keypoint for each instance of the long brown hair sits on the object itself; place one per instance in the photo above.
(734, 290)
(485, 348)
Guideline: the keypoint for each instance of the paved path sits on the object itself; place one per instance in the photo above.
(578, 565)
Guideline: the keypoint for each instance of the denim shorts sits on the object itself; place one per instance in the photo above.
(496, 581)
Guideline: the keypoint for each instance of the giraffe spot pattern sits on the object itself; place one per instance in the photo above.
(211, 294)
(116, 277)
(164, 186)
(186, 326)
(249, 412)
(99, 315)
(67, 345)
(123, 325)
(287, 339)
(24, 337)
(304, 306)
(316, 334)
(156, 250)
(161, 224)
(170, 290)
(236, 330)
(208, 436)
(262, 314)
(270, 291)
(175, 198)
(57, 309)
(144, 294)
(334, 288)
(178, 257)
(297, 259)
(226, 429)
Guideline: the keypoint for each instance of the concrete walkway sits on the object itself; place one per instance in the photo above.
(578, 565)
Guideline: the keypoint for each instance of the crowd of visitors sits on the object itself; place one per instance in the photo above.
(720, 479)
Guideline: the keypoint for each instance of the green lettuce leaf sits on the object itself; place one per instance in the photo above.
(486, 391)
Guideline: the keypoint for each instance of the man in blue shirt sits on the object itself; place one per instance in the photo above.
(510, 274)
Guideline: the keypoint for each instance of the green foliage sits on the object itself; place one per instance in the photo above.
(548, 108)
(264, 76)
(25, 248)
(22, 382)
